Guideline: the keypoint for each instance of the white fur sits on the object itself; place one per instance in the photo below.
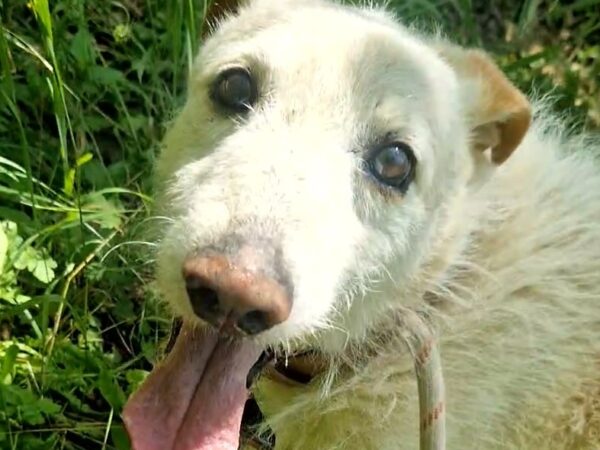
(508, 269)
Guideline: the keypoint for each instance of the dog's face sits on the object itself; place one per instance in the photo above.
(317, 170)
(327, 150)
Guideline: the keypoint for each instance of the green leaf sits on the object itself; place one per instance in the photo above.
(27, 259)
(82, 49)
(106, 213)
(41, 267)
(119, 437)
(86, 157)
(123, 309)
(91, 339)
(141, 65)
(24, 406)
(106, 75)
(8, 285)
(43, 14)
(70, 181)
(8, 362)
(44, 270)
(10, 229)
(138, 122)
(23, 302)
(3, 249)
(135, 378)
(34, 413)
(110, 390)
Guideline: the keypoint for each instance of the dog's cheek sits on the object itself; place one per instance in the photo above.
(193, 135)
(319, 255)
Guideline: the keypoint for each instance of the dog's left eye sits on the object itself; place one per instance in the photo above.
(235, 90)
(393, 165)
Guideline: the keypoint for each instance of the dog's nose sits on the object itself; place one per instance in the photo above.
(226, 295)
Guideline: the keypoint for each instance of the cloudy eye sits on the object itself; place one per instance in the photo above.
(235, 90)
(393, 165)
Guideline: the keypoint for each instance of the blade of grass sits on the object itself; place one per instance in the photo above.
(528, 15)
(56, 87)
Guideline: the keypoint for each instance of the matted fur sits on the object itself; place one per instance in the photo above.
(504, 261)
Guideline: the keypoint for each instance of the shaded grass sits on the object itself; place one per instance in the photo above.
(85, 91)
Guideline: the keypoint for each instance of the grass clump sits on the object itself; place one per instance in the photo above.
(85, 91)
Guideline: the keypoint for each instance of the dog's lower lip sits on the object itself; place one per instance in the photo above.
(265, 358)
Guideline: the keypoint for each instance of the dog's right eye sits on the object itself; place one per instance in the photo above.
(234, 90)
(393, 165)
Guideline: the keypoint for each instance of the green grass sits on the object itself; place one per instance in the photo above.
(85, 91)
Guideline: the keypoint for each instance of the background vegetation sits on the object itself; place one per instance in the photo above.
(85, 90)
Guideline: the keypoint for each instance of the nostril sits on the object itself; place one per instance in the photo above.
(253, 322)
(233, 297)
(204, 300)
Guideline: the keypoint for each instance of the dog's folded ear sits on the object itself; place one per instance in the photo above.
(498, 112)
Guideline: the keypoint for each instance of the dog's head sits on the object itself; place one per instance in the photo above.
(320, 161)
(317, 158)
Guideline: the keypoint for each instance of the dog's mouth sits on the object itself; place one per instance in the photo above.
(194, 400)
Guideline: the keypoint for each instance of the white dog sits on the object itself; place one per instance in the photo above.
(333, 170)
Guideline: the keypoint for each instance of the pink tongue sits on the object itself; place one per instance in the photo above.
(194, 400)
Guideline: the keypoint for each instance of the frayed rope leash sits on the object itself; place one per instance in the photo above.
(430, 383)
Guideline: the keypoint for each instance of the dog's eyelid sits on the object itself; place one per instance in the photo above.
(240, 65)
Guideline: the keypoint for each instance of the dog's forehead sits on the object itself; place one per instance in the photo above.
(334, 49)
